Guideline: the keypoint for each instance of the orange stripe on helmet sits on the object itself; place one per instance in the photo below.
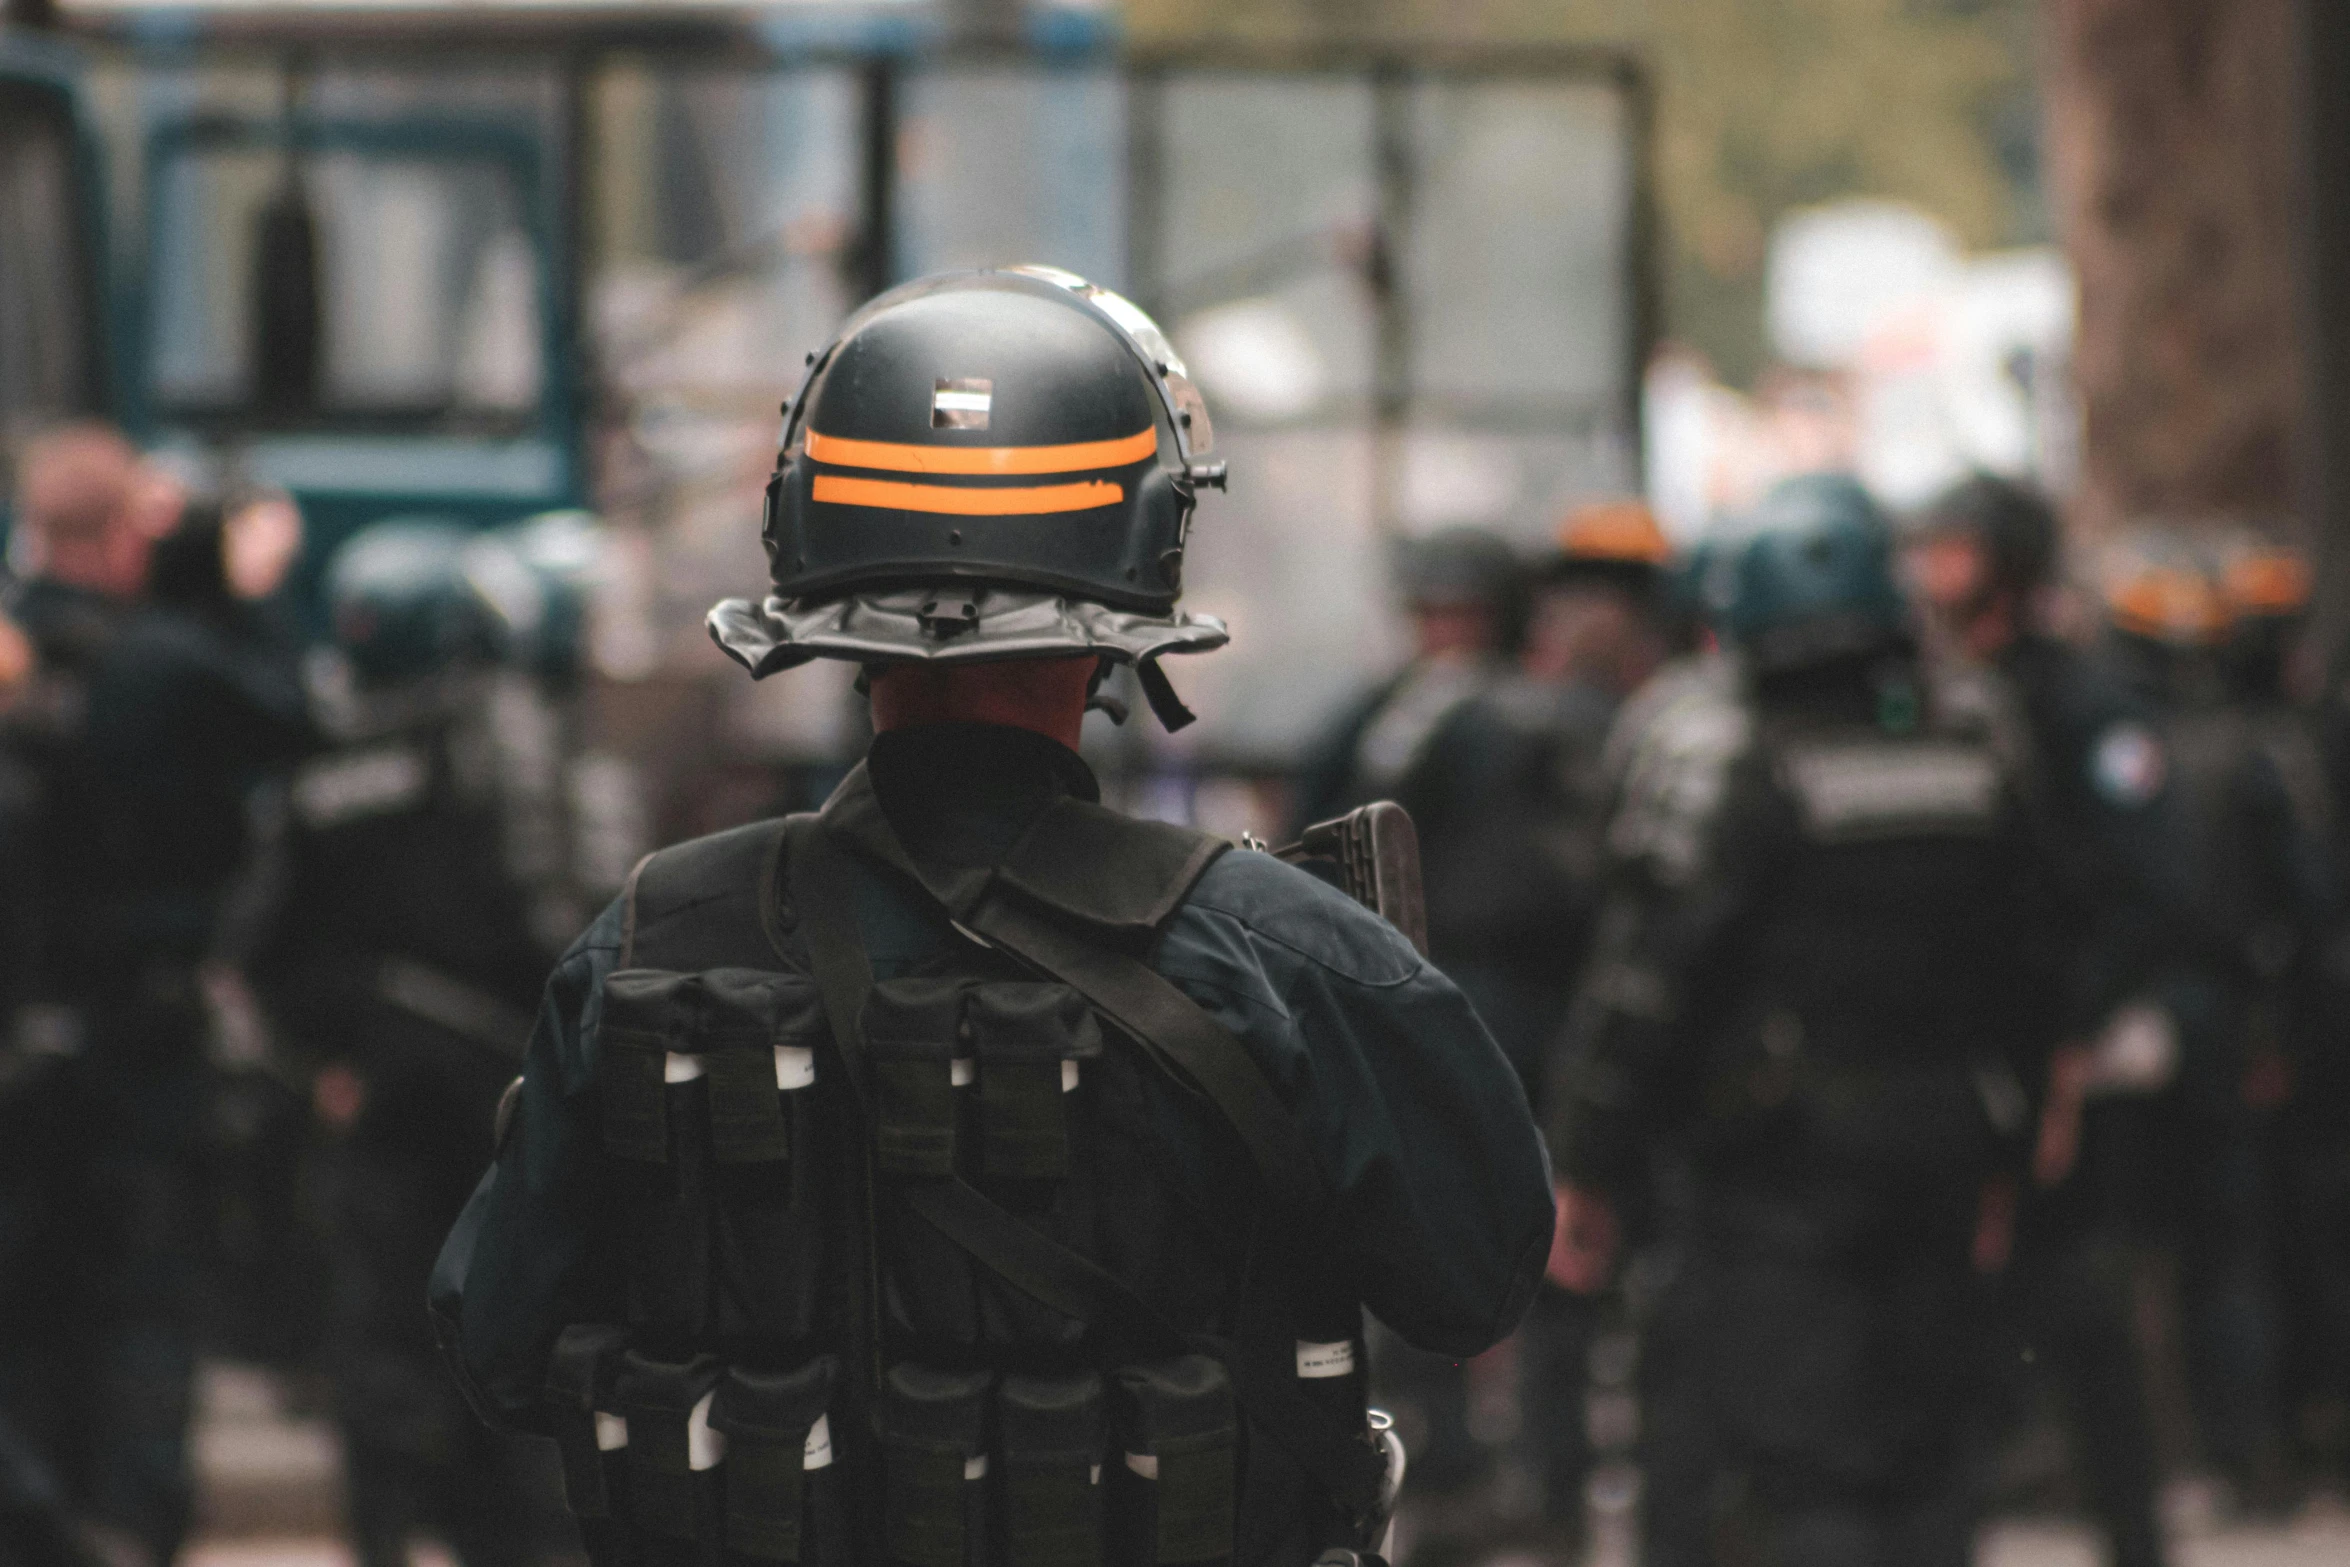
(1623, 531)
(2268, 585)
(897, 457)
(896, 495)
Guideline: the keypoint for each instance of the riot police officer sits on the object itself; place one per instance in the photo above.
(1813, 997)
(425, 874)
(2234, 883)
(1984, 555)
(1465, 593)
(966, 1172)
(2299, 1068)
(1428, 738)
(194, 714)
(1597, 629)
(78, 553)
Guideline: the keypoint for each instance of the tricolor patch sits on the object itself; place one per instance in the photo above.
(961, 404)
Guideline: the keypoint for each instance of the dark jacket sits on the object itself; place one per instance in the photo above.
(1440, 1217)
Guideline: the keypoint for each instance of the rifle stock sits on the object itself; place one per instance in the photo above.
(1377, 851)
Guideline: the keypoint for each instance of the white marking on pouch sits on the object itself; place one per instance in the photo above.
(818, 1453)
(611, 1432)
(1325, 1360)
(704, 1448)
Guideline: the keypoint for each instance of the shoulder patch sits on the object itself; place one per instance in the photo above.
(2128, 764)
(1876, 788)
(349, 785)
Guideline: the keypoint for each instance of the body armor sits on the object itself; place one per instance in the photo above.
(898, 1286)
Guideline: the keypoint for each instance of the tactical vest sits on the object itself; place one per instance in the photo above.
(1881, 994)
(871, 1232)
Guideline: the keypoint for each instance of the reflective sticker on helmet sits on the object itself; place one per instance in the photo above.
(893, 495)
(898, 457)
(2128, 766)
(961, 404)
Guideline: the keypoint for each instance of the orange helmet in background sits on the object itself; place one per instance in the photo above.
(2262, 579)
(1612, 534)
(2157, 588)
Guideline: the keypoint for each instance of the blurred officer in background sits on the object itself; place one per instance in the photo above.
(1596, 631)
(1814, 989)
(2236, 877)
(194, 711)
(1428, 739)
(84, 527)
(36, 1527)
(426, 868)
(2272, 673)
(1464, 591)
(78, 562)
(1984, 557)
(1524, 863)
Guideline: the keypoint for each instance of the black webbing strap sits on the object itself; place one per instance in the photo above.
(1055, 1276)
(1165, 1021)
(1177, 1029)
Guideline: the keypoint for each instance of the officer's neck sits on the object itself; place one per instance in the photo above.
(1043, 695)
(965, 793)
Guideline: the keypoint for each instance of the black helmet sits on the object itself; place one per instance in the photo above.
(984, 465)
(2012, 523)
(404, 605)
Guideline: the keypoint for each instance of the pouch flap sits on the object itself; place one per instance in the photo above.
(774, 1406)
(1026, 1020)
(658, 1398)
(1052, 1418)
(933, 1410)
(747, 1009)
(641, 1007)
(919, 1017)
(715, 1009)
(579, 1373)
(1181, 1405)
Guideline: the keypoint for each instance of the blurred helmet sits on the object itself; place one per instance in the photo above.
(538, 577)
(403, 604)
(2157, 589)
(1458, 566)
(985, 465)
(1808, 577)
(1617, 537)
(1463, 567)
(2011, 523)
(2262, 579)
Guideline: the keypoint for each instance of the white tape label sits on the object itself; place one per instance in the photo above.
(818, 1453)
(705, 1448)
(1315, 1361)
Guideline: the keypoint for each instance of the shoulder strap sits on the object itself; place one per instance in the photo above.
(708, 903)
(1116, 873)
(1039, 908)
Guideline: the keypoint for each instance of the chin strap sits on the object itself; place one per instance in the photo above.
(1157, 690)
